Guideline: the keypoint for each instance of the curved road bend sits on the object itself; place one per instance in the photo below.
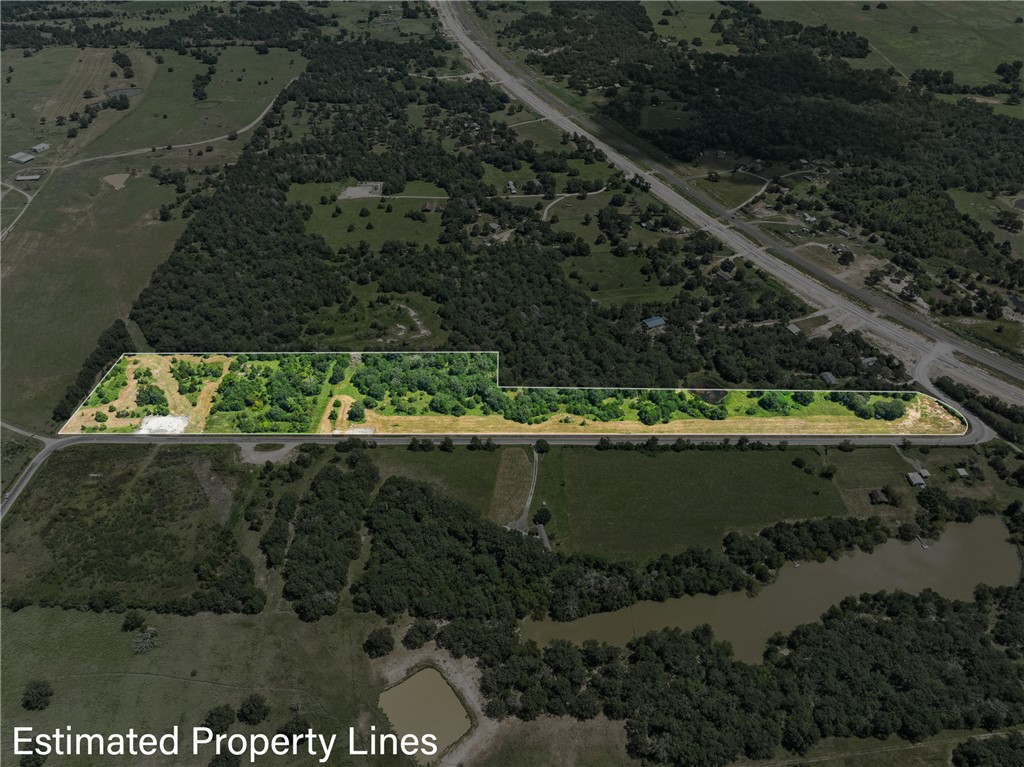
(890, 322)
(976, 433)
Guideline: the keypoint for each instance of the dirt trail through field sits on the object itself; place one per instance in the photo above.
(125, 400)
(513, 488)
(326, 427)
(199, 414)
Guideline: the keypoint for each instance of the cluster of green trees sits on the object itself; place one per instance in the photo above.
(192, 375)
(998, 751)
(327, 536)
(112, 343)
(274, 542)
(1006, 418)
(278, 393)
(890, 408)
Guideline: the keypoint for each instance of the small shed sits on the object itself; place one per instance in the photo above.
(793, 329)
(40, 148)
(869, 361)
(878, 497)
(925, 473)
(963, 473)
(511, 187)
(724, 275)
(28, 177)
(829, 378)
(495, 226)
(21, 157)
(653, 323)
(915, 479)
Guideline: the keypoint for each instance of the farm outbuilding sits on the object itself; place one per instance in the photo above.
(21, 157)
(653, 323)
(915, 479)
(40, 148)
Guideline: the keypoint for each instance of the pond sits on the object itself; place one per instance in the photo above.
(965, 556)
(423, 704)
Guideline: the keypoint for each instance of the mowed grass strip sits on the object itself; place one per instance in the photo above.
(635, 505)
(512, 485)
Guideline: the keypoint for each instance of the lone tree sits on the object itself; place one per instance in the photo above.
(133, 620)
(541, 446)
(37, 695)
(254, 709)
(220, 718)
(542, 517)
(379, 643)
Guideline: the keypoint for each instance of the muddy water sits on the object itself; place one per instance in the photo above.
(424, 704)
(965, 556)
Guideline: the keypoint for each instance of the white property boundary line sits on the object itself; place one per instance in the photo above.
(497, 370)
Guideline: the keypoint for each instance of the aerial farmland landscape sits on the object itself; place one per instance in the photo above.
(478, 383)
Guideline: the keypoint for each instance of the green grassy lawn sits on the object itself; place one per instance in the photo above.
(542, 133)
(689, 19)
(33, 81)
(74, 263)
(202, 661)
(245, 83)
(16, 451)
(118, 518)
(970, 38)
(729, 191)
(633, 505)
(465, 475)
(983, 209)
(618, 280)
(1005, 335)
(385, 226)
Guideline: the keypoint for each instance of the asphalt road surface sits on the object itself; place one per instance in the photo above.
(892, 324)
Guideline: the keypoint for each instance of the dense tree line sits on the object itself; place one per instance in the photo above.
(112, 343)
(327, 535)
(274, 542)
(1006, 418)
(998, 751)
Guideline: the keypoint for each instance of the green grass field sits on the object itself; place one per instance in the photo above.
(983, 209)
(730, 191)
(202, 661)
(970, 38)
(465, 475)
(74, 263)
(245, 83)
(632, 505)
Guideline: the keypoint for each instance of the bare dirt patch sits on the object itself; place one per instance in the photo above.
(117, 180)
(363, 191)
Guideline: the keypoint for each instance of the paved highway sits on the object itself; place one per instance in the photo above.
(893, 325)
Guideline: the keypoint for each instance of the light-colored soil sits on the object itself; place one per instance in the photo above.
(340, 424)
(199, 414)
(365, 191)
(511, 487)
(125, 400)
(117, 180)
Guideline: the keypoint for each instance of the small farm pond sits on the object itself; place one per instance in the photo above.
(423, 704)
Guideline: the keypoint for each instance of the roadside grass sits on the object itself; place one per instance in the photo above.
(970, 38)
(74, 263)
(637, 506)
(1005, 335)
(231, 104)
(980, 207)
(117, 518)
(731, 191)
(16, 451)
(542, 133)
(617, 280)
(466, 475)
(202, 661)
